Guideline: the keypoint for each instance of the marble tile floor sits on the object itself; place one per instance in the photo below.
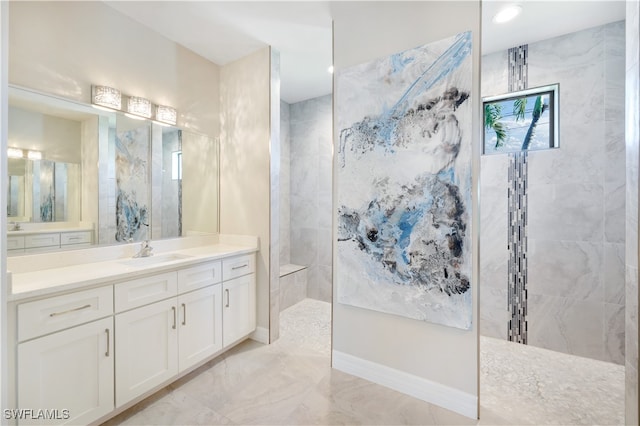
(291, 383)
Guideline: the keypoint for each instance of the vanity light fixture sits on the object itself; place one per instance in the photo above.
(330, 69)
(106, 97)
(507, 14)
(166, 115)
(34, 155)
(139, 107)
(110, 99)
(15, 153)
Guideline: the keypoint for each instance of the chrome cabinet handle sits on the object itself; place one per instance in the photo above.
(227, 293)
(184, 314)
(173, 308)
(106, 330)
(239, 267)
(55, 314)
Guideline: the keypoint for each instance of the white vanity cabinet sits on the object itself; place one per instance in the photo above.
(71, 369)
(39, 242)
(200, 325)
(146, 349)
(156, 341)
(15, 244)
(239, 297)
(95, 352)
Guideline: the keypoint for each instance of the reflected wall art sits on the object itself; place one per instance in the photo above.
(132, 183)
(404, 183)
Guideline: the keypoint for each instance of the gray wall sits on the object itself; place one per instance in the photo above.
(309, 193)
(576, 202)
(285, 185)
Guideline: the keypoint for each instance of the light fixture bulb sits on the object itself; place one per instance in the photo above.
(507, 14)
(107, 97)
(15, 153)
(139, 106)
(330, 69)
(34, 155)
(166, 115)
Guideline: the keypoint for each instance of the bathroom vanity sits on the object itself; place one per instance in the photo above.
(91, 337)
(20, 242)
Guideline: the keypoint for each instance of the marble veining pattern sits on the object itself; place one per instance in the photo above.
(290, 382)
(572, 269)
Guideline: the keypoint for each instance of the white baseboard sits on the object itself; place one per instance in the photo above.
(417, 387)
(260, 335)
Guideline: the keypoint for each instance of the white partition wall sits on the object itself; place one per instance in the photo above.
(432, 362)
(245, 162)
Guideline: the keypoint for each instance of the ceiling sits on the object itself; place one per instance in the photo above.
(223, 31)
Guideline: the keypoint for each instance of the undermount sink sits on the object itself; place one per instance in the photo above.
(154, 260)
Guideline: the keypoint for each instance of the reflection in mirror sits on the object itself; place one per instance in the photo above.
(47, 136)
(131, 154)
(55, 195)
(16, 190)
(171, 177)
(119, 178)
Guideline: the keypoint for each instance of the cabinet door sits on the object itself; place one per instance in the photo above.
(146, 349)
(68, 370)
(200, 325)
(239, 312)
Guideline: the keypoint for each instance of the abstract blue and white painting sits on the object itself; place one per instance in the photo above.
(404, 183)
(47, 192)
(132, 184)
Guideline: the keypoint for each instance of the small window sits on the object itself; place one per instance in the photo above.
(521, 121)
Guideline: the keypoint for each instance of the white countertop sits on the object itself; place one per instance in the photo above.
(46, 282)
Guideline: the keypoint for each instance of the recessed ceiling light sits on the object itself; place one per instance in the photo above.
(507, 14)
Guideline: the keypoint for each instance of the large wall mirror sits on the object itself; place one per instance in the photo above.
(76, 169)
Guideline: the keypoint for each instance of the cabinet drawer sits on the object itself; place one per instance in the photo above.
(199, 276)
(134, 293)
(56, 313)
(15, 243)
(80, 237)
(41, 240)
(238, 266)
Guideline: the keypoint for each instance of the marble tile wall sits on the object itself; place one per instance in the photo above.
(285, 185)
(632, 139)
(576, 202)
(310, 192)
(293, 288)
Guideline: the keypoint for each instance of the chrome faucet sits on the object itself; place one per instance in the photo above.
(145, 250)
(15, 226)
